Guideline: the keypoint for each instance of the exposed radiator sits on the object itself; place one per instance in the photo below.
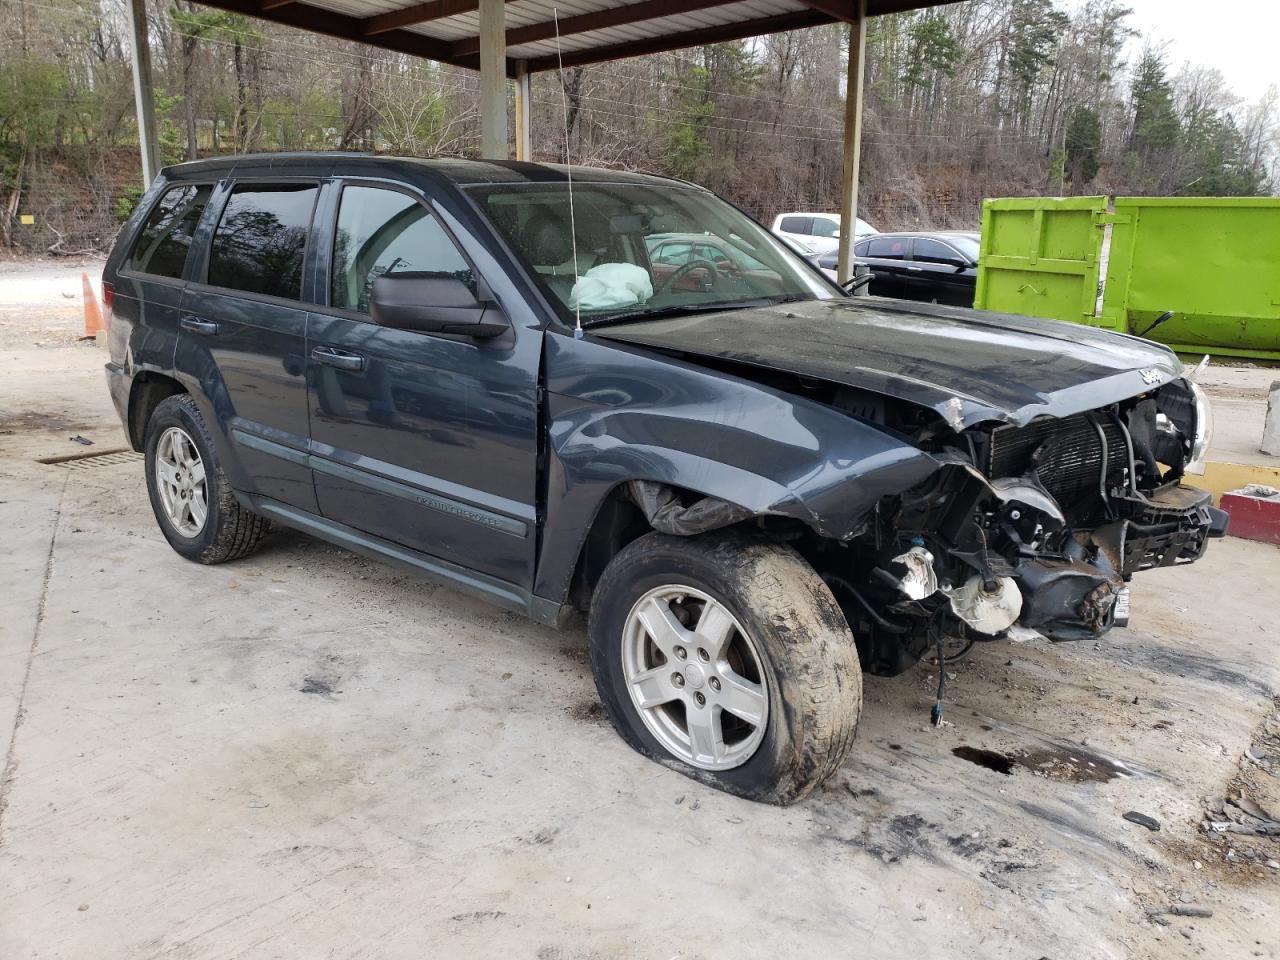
(1070, 453)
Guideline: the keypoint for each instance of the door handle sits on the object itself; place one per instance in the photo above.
(206, 328)
(915, 269)
(341, 359)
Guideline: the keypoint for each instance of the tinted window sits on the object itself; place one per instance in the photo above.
(802, 225)
(887, 248)
(969, 246)
(822, 227)
(260, 241)
(162, 245)
(381, 232)
(860, 249)
(930, 251)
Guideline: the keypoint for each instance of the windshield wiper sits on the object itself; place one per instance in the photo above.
(677, 310)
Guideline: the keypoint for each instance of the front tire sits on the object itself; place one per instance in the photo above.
(726, 657)
(193, 502)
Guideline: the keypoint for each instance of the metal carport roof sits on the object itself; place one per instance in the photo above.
(513, 38)
(591, 31)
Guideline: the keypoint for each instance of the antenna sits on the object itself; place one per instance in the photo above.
(568, 165)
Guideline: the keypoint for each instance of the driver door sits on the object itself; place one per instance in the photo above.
(424, 440)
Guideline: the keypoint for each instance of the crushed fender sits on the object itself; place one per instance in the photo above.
(666, 513)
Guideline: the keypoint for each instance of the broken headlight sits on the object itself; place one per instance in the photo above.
(1202, 433)
(1184, 425)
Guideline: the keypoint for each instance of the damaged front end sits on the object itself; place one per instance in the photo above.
(1039, 526)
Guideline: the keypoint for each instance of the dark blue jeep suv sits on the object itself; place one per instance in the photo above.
(754, 486)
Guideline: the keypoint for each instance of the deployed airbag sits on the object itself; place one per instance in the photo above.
(611, 285)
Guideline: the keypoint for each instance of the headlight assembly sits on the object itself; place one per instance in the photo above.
(1203, 431)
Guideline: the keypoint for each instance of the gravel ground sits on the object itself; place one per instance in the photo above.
(306, 753)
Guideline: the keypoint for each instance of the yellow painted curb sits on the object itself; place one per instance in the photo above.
(1220, 477)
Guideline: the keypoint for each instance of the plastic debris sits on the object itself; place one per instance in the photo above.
(1142, 820)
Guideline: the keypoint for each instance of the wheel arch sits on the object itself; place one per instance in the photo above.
(147, 392)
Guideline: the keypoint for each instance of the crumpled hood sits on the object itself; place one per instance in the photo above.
(968, 365)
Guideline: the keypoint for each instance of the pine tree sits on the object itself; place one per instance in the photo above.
(1084, 145)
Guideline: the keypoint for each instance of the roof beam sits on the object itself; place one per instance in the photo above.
(596, 20)
(845, 10)
(338, 25)
(687, 38)
(418, 13)
(422, 13)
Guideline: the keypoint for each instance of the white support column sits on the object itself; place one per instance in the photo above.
(852, 143)
(140, 49)
(524, 106)
(493, 80)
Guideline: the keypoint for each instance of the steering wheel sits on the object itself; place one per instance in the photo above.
(713, 275)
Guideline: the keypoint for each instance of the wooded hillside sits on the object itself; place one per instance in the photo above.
(982, 98)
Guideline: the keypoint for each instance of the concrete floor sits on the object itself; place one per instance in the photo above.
(307, 754)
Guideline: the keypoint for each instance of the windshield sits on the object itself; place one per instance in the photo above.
(644, 250)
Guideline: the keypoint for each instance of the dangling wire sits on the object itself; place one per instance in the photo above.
(935, 629)
(568, 164)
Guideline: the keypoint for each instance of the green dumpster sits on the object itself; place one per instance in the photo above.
(1213, 261)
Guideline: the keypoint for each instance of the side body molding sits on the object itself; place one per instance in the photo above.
(618, 413)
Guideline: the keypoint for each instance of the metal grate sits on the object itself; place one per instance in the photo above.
(88, 461)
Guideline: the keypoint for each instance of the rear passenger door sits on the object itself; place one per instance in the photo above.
(243, 334)
(887, 259)
(150, 280)
(424, 440)
(940, 274)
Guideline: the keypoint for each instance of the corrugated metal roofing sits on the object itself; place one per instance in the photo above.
(591, 30)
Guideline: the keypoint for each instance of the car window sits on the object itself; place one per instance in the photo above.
(887, 248)
(704, 251)
(673, 254)
(801, 225)
(825, 227)
(971, 247)
(385, 231)
(931, 251)
(259, 243)
(860, 249)
(162, 244)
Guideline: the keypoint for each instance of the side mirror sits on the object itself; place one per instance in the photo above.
(432, 303)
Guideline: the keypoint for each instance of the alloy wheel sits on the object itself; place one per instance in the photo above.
(695, 677)
(180, 479)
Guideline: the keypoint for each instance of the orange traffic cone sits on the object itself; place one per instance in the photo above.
(92, 314)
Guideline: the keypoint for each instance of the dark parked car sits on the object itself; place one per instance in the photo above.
(755, 487)
(933, 267)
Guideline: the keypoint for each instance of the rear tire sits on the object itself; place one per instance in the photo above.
(194, 505)
(755, 634)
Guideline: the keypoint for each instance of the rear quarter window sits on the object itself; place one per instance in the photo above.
(801, 225)
(162, 244)
(259, 244)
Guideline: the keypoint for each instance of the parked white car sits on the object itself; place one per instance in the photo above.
(818, 233)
